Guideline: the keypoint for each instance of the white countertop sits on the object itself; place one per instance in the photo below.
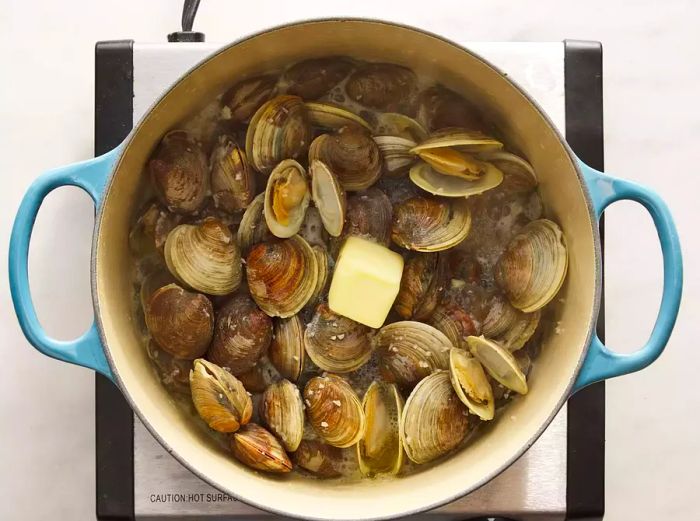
(652, 124)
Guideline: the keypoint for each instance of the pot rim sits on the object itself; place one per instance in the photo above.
(576, 163)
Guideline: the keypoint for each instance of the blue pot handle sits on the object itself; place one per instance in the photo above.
(601, 362)
(91, 176)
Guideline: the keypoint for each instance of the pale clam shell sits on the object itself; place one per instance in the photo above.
(283, 412)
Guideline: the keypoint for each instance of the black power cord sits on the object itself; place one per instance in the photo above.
(189, 11)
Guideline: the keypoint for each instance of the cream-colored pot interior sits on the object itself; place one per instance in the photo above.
(554, 371)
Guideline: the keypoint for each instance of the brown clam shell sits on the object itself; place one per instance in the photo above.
(439, 107)
(319, 458)
(257, 448)
(311, 79)
(382, 86)
(245, 97)
(232, 178)
(422, 283)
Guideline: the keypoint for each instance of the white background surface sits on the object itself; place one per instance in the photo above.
(652, 123)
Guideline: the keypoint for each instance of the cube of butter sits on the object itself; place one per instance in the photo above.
(365, 282)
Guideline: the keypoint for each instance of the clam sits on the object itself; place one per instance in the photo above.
(180, 322)
(151, 229)
(533, 267)
(232, 179)
(219, 397)
(242, 100)
(313, 78)
(400, 125)
(242, 334)
(368, 215)
(434, 421)
(323, 262)
(471, 384)
(173, 372)
(312, 229)
(287, 197)
(499, 363)
(380, 450)
(204, 256)
(336, 343)
(396, 152)
(510, 327)
(430, 224)
(426, 177)
(334, 410)
(455, 322)
(319, 458)
(282, 275)
(409, 351)
(255, 447)
(439, 107)
(278, 130)
(328, 196)
(282, 411)
(253, 228)
(382, 86)
(331, 117)
(287, 348)
(152, 282)
(519, 175)
(179, 172)
(458, 140)
(351, 154)
(422, 284)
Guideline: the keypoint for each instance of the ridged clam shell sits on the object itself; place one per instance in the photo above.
(430, 224)
(455, 322)
(422, 284)
(253, 228)
(232, 179)
(257, 448)
(283, 412)
(242, 100)
(286, 351)
(334, 410)
(499, 363)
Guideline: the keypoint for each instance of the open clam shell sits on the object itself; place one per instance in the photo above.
(331, 117)
(396, 152)
(380, 451)
(499, 363)
(434, 421)
(424, 176)
(278, 130)
(204, 256)
(336, 343)
(533, 267)
(151, 229)
(286, 351)
(422, 284)
(219, 397)
(334, 410)
(180, 322)
(518, 174)
(282, 275)
(283, 412)
(241, 336)
(232, 179)
(509, 326)
(287, 197)
(409, 351)
(328, 196)
(400, 125)
(253, 228)
(430, 224)
(257, 448)
(471, 385)
(464, 140)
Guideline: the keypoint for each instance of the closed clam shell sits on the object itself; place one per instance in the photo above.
(533, 267)
(241, 336)
(351, 154)
(179, 172)
(257, 448)
(509, 326)
(278, 130)
(241, 101)
(330, 116)
(151, 229)
(382, 86)
(283, 412)
(460, 139)
(313, 78)
(334, 410)
(455, 322)
(219, 397)
(180, 322)
(368, 215)
(232, 179)
(205, 257)
(336, 343)
(286, 351)
(253, 228)
(328, 196)
(519, 176)
(439, 107)
(319, 458)
(471, 385)
(434, 420)
(422, 284)
(499, 363)
(282, 275)
(380, 450)
(287, 197)
(409, 351)
(430, 224)
(426, 177)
